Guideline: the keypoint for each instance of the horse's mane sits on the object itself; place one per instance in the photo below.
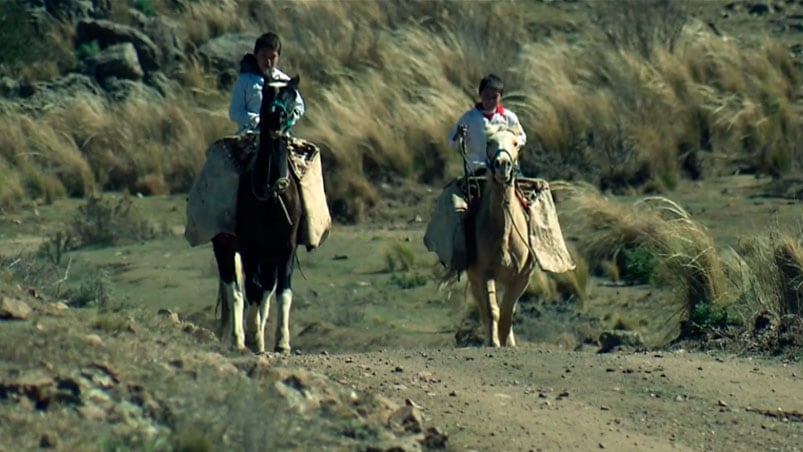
(500, 132)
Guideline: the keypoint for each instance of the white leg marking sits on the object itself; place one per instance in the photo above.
(285, 299)
(262, 313)
(235, 294)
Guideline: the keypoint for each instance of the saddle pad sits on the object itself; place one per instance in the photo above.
(546, 237)
(212, 200)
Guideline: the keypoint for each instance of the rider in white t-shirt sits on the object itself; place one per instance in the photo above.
(488, 110)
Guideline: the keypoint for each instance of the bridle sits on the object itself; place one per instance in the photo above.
(286, 117)
(509, 178)
(280, 139)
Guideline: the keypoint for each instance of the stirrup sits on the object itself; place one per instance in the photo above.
(281, 184)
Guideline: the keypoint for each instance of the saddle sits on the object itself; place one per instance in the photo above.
(241, 150)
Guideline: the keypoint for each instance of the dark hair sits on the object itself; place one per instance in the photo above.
(492, 81)
(268, 41)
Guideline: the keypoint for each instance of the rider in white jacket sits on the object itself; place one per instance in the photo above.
(488, 110)
(246, 94)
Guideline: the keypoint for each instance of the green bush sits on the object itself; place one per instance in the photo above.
(639, 266)
(408, 280)
(399, 257)
(145, 7)
(87, 50)
(708, 317)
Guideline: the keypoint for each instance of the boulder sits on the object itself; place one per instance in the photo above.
(119, 60)
(222, 55)
(11, 309)
(164, 32)
(108, 33)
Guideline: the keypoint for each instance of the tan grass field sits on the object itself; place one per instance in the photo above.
(673, 155)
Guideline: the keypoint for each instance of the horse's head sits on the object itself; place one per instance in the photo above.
(502, 152)
(278, 114)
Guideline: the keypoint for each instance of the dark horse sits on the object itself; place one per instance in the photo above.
(267, 226)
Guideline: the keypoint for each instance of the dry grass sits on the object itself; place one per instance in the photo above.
(605, 111)
(766, 275)
(611, 232)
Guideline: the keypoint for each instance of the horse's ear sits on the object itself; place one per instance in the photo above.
(491, 129)
(295, 80)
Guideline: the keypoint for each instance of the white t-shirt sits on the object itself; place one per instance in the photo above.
(476, 141)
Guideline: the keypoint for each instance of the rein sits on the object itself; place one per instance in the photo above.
(526, 239)
(281, 183)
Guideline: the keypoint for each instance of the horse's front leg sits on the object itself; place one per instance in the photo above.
(484, 290)
(284, 298)
(235, 295)
(513, 292)
(255, 296)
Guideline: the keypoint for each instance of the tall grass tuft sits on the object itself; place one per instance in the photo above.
(630, 236)
(660, 97)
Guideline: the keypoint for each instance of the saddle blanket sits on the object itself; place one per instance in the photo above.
(212, 201)
(446, 236)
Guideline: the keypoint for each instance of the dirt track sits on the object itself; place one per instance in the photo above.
(538, 397)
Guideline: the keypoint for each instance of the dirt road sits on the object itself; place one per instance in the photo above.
(538, 397)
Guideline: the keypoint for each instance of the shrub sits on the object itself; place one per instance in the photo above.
(640, 25)
(639, 264)
(87, 50)
(408, 280)
(399, 256)
(106, 222)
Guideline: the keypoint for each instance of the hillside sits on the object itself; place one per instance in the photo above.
(668, 130)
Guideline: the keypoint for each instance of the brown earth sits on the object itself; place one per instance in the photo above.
(376, 366)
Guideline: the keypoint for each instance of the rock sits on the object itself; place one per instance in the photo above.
(108, 33)
(165, 33)
(435, 438)
(222, 55)
(48, 440)
(93, 340)
(406, 419)
(69, 10)
(11, 309)
(610, 340)
(119, 60)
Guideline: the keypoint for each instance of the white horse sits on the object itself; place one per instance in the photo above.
(500, 253)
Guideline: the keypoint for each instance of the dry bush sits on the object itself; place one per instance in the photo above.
(654, 227)
(105, 221)
(766, 274)
(207, 19)
(641, 25)
(381, 100)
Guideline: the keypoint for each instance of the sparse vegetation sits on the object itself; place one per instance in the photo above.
(663, 97)
(105, 221)
(635, 103)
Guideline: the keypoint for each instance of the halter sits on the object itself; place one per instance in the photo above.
(288, 117)
(509, 179)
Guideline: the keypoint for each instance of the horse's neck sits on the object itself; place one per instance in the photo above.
(502, 224)
(500, 199)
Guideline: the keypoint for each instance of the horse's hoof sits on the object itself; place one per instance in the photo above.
(282, 351)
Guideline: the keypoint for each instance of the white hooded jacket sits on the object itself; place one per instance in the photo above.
(246, 95)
